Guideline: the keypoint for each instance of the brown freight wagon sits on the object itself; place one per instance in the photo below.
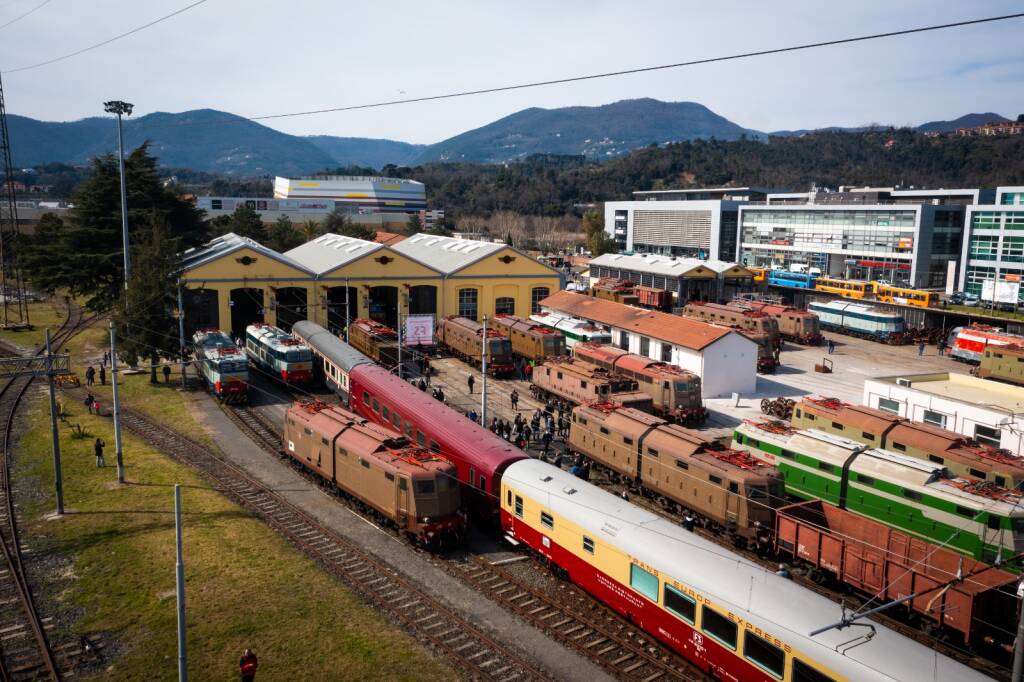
(403, 485)
(728, 489)
(464, 336)
(375, 340)
(675, 392)
(872, 558)
(529, 339)
(581, 382)
(649, 297)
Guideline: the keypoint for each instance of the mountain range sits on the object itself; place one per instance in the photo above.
(217, 141)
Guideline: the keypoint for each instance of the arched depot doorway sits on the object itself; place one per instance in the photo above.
(291, 306)
(336, 302)
(201, 310)
(246, 308)
(384, 305)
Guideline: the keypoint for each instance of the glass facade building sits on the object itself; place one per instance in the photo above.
(692, 228)
(910, 244)
(994, 247)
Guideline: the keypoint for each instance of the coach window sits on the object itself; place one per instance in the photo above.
(718, 626)
(434, 447)
(994, 522)
(396, 420)
(519, 506)
(1000, 481)
(805, 673)
(644, 582)
(483, 483)
(385, 412)
(547, 520)
(869, 436)
(679, 604)
(408, 429)
(376, 405)
(366, 398)
(715, 479)
(364, 463)
(421, 440)
(837, 426)
(588, 545)
(682, 465)
(977, 474)
(936, 459)
(899, 446)
(652, 452)
(472, 476)
(764, 655)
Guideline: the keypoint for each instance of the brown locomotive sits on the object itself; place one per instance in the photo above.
(529, 339)
(675, 392)
(729, 489)
(799, 326)
(618, 290)
(740, 317)
(406, 486)
(582, 382)
(376, 340)
(463, 337)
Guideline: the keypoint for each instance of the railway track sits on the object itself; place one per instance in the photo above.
(413, 607)
(25, 650)
(572, 618)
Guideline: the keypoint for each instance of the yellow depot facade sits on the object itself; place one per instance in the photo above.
(233, 281)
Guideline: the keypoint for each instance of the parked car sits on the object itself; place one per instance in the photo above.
(971, 300)
(956, 298)
(1006, 307)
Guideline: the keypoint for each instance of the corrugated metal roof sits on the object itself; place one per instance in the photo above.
(228, 243)
(660, 265)
(446, 254)
(680, 331)
(330, 251)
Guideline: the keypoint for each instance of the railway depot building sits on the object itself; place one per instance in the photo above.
(689, 278)
(233, 281)
(993, 248)
(909, 237)
(724, 359)
(988, 411)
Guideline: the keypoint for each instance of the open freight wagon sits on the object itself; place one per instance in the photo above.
(872, 558)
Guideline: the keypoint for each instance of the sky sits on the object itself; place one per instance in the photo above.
(254, 57)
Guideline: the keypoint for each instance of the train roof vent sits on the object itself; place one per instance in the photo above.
(569, 490)
(904, 382)
(545, 478)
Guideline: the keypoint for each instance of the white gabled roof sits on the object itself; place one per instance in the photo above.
(668, 266)
(330, 251)
(446, 254)
(228, 243)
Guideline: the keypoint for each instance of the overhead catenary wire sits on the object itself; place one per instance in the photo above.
(22, 16)
(102, 43)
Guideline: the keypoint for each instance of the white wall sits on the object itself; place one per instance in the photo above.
(960, 417)
(730, 366)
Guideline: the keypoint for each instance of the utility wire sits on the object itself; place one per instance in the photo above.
(105, 42)
(610, 74)
(22, 16)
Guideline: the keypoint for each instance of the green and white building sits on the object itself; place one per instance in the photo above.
(993, 247)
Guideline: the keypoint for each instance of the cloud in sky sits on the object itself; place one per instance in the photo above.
(256, 58)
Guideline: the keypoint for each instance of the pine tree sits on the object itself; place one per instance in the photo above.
(283, 236)
(338, 223)
(246, 222)
(41, 269)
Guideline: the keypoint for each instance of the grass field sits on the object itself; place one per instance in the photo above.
(41, 315)
(247, 587)
(977, 310)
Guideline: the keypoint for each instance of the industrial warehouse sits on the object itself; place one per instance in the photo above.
(233, 281)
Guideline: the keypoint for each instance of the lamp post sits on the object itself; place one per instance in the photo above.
(122, 109)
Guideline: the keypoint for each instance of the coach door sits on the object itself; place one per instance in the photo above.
(733, 499)
(403, 497)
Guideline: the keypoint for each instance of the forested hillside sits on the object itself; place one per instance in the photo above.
(550, 185)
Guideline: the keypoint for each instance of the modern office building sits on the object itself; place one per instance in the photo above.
(699, 228)
(904, 236)
(993, 246)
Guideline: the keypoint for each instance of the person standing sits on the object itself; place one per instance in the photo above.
(103, 375)
(247, 666)
(514, 397)
(89, 400)
(470, 381)
(90, 375)
(98, 451)
(831, 346)
(527, 433)
(167, 374)
(942, 348)
(546, 438)
(920, 349)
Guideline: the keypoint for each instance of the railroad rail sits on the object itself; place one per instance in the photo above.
(414, 608)
(579, 622)
(25, 649)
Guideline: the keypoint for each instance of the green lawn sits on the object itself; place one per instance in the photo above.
(978, 310)
(247, 587)
(40, 315)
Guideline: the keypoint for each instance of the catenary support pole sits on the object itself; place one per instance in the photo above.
(118, 448)
(483, 377)
(1018, 643)
(348, 317)
(401, 372)
(179, 584)
(181, 336)
(58, 480)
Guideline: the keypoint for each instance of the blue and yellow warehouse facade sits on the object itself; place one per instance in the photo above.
(234, 281)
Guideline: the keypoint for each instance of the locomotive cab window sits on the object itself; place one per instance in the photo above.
(869, 436)
(424, 487)
(802, 672)
(718, 626)
(519, 507)
(994, 522)
(679, 604)
(764, 655)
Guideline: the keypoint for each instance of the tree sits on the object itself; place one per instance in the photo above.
(598, 241)
(414, 225)
(311, 230)
(87, 257)
(246, 222)
(282, 235)
(146, 326)
(41, 269)
(337, 222)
